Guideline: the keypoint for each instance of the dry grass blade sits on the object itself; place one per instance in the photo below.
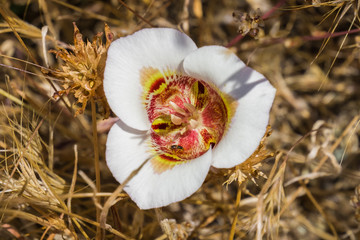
(112, 200)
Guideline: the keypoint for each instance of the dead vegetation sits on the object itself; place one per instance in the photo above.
(53, 178)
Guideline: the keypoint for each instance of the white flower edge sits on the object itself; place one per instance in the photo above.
(127, 148)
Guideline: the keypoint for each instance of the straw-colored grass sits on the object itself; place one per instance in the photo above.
(302, 183)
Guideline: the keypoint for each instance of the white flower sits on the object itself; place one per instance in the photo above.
(186, 108)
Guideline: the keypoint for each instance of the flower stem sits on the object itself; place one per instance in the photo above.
(96, 162)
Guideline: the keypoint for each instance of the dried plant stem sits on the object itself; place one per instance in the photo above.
(237, 207)
(260, 205)
(90, 194)
(321, 211)
(27, 216)
(303, 188)
(51, 144)
(300, 190)
(331, 35)
(56, 196)
(14, 99)
(73, 181)
(26, 147)
(40, 113)
(135, 13)
(96, 162)
(44, 6)
(273, 9)
(309, 225)
(235, 40)
(185, 15)
(353, 131)
(337, 53)
(337, 142)
(89, 13)
(159, 214)
(45, 232)
(322, 161)
(112, 199)
(5, 16)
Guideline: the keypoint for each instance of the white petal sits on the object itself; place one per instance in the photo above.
(160, 48)
(251, 89)
(126, 151)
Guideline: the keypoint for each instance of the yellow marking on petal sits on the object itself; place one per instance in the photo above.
(154, 81)
(231, 105)
(146, 74)
(164, 162)
(164, 125)
(161, 125)
(199, 95)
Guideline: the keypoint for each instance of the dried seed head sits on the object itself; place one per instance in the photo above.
(249, 22)
(83, 70)
(250, 168)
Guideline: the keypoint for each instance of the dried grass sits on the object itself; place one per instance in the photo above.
(303, 185)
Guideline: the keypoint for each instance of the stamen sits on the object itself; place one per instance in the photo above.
(177, 108)
(176, 120)
(190, 107)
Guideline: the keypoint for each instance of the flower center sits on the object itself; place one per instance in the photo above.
(187, 115)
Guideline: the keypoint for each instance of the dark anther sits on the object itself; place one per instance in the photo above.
(201, 88)
(176, 147)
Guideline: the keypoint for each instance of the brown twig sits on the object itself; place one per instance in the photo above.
(112, 199)
(96, 162)
(135, 13)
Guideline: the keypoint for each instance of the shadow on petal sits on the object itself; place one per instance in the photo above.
(242, 82)
(137, 134)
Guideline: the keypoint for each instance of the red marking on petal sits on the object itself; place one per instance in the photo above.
(156, 85)
(215, 116)
(207, 137)
(159, 126)
(189, 140)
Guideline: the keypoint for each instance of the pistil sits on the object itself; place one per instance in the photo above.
(188, 116)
